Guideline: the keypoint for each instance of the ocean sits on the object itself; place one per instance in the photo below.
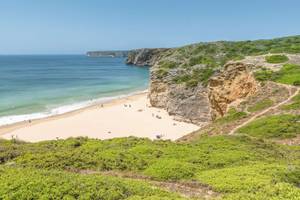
(37, 86)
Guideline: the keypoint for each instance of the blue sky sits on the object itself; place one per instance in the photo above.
(76, 26)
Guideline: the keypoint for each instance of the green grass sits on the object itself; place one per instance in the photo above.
(215, 54)
(168, 65)
(26, 183)
(139, 155)
(295, 105)
(261, 105)
(288, 74)
(165, 67)
(278, 126)
(201, 60)
(258, 181)
(277, 59)
(31, 170)
(197, 76)
(171, 169)
(232, 115)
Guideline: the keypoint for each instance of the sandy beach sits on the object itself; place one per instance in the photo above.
(128, 116)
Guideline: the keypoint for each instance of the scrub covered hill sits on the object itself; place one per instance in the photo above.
(197, 62)
(229, 167)
(181, 79)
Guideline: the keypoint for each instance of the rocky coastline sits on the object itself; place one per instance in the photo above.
(216, 89)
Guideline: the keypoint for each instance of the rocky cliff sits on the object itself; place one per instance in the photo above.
(198, 83)
(144, 57)
(234, 83)
(204, 103)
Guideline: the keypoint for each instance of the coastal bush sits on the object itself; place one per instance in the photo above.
(201, 60)
(288, 74)
(161, 160)
(168, 65)
(214, 55)
(232, 115)
(294, 105)
(139, 154)
(162, 72)
(264, 75)
(277, 126)
(197, 76)
(261, 105)
(26, 183)
(258, 181)
(170, 169)
(276, 59)
(278, 191)
(164, 67)
(291, 175)
(10, 149)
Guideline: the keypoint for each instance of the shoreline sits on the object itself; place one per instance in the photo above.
(4, 129)
(103, 120)
(64, 109)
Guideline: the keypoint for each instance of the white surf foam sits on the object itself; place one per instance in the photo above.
(8, 120)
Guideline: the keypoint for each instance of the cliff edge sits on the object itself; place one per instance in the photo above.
(144, 57)
(199, 83)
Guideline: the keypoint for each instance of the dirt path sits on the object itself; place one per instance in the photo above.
(291, 95)
(188, 189)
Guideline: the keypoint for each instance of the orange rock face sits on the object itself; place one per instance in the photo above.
(233, 83)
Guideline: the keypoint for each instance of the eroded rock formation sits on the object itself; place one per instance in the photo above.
(233, 83)
(184, 103)
(202, 104)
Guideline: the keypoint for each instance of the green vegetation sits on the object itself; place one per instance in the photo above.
(215, 54)
(168, 65)
(171, 169)
(261, 105)
(277, 59)
(294, 105)
(258, 181)
(232, 165)
(201, 60)
(197, 76)
(134, 154)
(278, 126)
(165, 66)
(288, 74)
(232, 115)
(25, 183)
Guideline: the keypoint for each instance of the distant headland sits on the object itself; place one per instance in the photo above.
(107, 53)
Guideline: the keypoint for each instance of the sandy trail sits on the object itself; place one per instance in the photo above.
(292, 95)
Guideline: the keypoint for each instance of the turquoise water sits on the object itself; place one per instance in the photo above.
(37, 84)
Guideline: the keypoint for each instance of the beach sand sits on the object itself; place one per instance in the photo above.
(128, 116)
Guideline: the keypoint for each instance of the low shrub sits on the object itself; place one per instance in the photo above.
(170, 169)
(232, 115)
(288, 74)
(277, 126)
(26, 183)
(257, 181)
(261, 105)
(294, 105)
(277, 59)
